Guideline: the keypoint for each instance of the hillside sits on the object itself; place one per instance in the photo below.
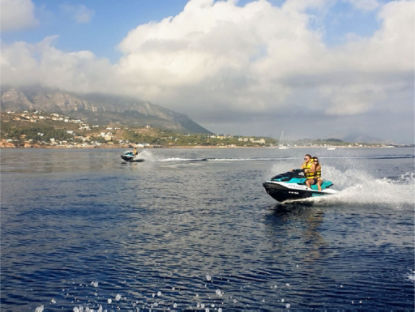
(97, 108)
(39, 129)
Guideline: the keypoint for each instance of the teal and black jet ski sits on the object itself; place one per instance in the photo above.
(291, 186)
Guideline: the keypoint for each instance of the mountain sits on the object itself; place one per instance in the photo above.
(359, 138)
(96, 108)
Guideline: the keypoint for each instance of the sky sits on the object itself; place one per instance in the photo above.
(308, 68)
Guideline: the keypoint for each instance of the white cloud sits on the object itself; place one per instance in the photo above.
(220, 58)
(25, 64)
(80, 13)
(17, 15)
(242, 57)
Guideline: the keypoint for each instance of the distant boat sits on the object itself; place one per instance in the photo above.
(280, 145)
(331, 148)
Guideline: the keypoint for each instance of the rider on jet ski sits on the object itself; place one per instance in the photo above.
(298, 183)
(307, 166)
(312, 171)
(316, 167)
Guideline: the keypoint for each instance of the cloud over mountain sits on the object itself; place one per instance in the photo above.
(257, 59)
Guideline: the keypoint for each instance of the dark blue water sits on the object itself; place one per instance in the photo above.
(81, 230)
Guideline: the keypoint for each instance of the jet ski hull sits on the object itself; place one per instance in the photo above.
(130, 158)
(281, 191)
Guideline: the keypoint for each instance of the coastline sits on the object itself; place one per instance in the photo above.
(113, 146)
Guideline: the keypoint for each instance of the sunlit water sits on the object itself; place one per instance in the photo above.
(82, 230)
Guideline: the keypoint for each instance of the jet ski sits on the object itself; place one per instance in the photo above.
(291, 186)
(130, 157)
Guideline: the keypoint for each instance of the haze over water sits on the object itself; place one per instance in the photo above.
(82, 230)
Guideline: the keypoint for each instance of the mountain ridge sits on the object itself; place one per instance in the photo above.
(96, 108)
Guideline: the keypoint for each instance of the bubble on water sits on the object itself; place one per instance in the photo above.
(109, 300)
(118, 297)
(94, 284)
(158, 293)
(411, 276)
(208, 277)
(288, 305)
(40, 308)
(220, 310)
(175, 305)
(287, 284)
(219, 292)
(100, 308)
(282, 300)
(53, 301)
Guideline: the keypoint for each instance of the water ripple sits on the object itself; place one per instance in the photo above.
(180, 235)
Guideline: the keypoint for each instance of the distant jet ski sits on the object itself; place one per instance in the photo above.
(291, 186)
(130, 157)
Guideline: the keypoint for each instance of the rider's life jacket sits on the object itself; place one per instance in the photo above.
(317, 173)
(307, 165)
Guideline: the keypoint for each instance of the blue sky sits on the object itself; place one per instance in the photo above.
(342, 18)
(239, 67)
(110, 21)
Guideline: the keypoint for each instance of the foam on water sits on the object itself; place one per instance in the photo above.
(251, 159)
(147, 155)
(357, 187)
(177, 159)
(150, 157)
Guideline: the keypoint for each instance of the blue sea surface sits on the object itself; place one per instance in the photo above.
(193, 229)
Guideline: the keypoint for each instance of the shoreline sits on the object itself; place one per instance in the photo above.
(110, 146)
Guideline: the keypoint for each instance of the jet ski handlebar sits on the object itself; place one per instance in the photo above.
(295, 173)
(298, 171)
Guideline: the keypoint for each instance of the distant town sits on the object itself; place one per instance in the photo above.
(36, 129)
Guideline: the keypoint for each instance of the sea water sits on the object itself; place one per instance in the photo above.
(194, 229)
